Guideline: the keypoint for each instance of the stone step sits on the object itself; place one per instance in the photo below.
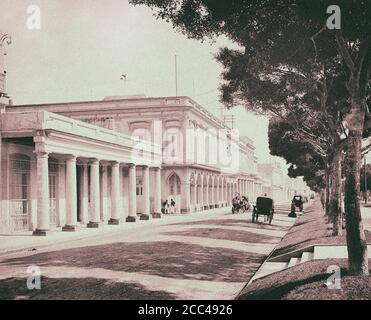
(269, 268)
(332, 251)
(306, 256)
(293, 262)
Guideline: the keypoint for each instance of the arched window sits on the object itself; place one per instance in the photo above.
(174, 184)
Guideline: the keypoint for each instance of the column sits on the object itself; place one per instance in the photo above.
(132, 193)
(84, 198)
(207, 203)
(94, 195)
(195, 194)
(103, 191)
(216, 192)
(212, 202)
(115, 194)
(145, 213)
(71, 193)
(222, 193)
(43, 218)
(157, 194)
(186, 197)
(202, 192)
(229, 186)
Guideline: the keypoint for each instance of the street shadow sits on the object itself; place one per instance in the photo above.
(162, 258)
(225, 234)
(234, 223)
(78, 289)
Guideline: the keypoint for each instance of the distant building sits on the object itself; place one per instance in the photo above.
(278, 185)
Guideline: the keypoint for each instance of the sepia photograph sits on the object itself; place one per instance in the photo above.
(186, 154)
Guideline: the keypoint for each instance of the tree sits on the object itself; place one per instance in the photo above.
(278, 38)
(305, 161)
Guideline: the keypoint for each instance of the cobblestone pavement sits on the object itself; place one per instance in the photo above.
(196, 256)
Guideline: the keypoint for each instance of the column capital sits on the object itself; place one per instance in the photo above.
(131, 165)
(93, 161)
(70, 157)
(41, 154)
(115, 163)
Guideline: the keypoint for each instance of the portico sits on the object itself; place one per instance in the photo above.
(77, 144)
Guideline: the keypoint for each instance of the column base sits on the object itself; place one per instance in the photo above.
(92, 224)
(156, 215)
(69, 228)
(39, 233)
(144, 216)
(130, 219)
(114, 222)
(185, 210)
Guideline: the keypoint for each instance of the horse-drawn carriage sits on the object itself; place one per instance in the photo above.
(264, 206)
(240, 204)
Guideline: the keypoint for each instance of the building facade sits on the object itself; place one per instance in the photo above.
(117, 160)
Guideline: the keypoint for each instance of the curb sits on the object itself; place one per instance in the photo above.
(266, 260)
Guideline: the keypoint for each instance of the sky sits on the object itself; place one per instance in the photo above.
(83, 47)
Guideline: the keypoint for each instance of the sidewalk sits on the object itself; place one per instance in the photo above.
(305, 280)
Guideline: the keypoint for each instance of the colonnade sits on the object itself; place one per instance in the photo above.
(90, 211)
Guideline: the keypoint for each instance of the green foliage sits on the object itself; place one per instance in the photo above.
(284, 143)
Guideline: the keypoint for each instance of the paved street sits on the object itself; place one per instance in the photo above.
(197, 256)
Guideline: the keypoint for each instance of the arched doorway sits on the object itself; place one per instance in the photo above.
(192, 186)
(19, 201)
(211, 198)
(198, 191)
(174, 185)
(216, 200)
(205, 192)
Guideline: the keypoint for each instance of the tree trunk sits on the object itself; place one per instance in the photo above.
(356, 241)
(334, 201)
(327, 194)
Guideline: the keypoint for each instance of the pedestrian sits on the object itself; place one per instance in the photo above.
(166, 205)
(172, 206)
